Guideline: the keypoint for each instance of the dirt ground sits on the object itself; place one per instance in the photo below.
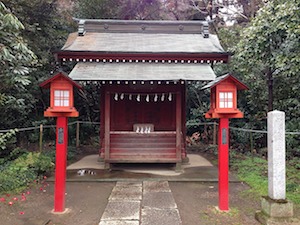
(87, 201)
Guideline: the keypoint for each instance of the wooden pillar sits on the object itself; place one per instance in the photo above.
(223, 143)
(60, 164)
(214, 134)
(178, 126)
(41, 138)
(107, 127)
(77, 134)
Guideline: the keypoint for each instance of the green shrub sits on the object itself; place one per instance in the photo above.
(19, 173)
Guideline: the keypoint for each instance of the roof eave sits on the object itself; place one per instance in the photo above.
(212, 56)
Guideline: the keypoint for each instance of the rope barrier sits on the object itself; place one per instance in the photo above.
(187, 124)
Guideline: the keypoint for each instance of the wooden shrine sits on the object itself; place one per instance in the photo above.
(143, 68)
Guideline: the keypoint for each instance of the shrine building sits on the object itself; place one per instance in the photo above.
(143, 68)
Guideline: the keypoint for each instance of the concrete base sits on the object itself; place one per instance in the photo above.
(67, 210)
(276, 212)
(178, 167)
(221, 211)
(185, 161)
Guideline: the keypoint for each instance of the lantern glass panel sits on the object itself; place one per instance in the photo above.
(225, 100)
(61, 98)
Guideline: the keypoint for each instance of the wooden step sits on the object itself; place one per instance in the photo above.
(142, 145)
(143, 150)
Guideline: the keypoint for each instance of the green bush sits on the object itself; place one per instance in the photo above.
(18, 174)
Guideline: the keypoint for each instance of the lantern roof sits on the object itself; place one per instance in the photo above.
(59, 75)
(226, 77)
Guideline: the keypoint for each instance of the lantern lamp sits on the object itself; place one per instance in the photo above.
(61, 96)
(223, 97)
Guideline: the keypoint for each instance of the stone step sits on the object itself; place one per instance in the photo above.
(141, 203)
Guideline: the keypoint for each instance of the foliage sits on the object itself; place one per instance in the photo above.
(254, 171)
(267, 47)
(19, 173)
(118, 9)
(267, 58)
(16, 60)
(5, 138)
(44, 30)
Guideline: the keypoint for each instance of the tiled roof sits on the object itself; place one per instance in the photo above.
(141, 71)
(143, 36)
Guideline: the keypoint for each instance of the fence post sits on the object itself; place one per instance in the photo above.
(215, 134)
(41, 137)
(251, 142)
(77, 134)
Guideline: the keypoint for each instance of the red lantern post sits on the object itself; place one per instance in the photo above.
(223, 105)
(61, 106)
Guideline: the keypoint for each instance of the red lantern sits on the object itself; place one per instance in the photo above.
(62, 107)
(223, 97)
(61, 96)
(223, 105)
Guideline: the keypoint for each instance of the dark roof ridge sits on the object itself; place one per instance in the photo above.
(117, 21)
(142, 26)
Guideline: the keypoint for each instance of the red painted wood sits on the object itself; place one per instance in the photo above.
(60, 165)
(178, 125)
(134, 147)
(121, 115)
(223, 165)
(183, 121)
(102, 120)
(107, 118)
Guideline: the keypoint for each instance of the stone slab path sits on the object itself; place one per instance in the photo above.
(141, 203)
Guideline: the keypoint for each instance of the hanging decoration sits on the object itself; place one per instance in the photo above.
(155, 97)
(170, 97)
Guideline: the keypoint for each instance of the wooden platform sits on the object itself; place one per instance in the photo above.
(143, 148)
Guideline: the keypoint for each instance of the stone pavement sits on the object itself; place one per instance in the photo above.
(145, 203)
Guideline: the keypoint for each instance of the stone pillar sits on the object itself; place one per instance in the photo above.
(276, 209)
(276, 155)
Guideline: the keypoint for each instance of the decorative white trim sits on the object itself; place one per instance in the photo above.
(144, 60)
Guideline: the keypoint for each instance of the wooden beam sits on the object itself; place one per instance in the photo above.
(178, 125)
(141, 56)
(107, 126)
